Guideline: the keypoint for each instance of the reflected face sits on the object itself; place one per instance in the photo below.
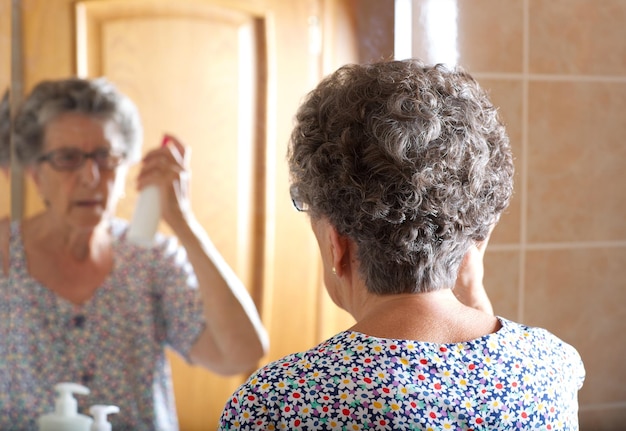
(84, 196)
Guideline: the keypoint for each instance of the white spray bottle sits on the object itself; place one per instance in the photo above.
(147, 214)
(65, 416)
(99, 413)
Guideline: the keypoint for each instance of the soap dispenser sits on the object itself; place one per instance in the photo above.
(66, 416)
(99, 413)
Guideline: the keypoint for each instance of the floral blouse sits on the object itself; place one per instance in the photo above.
(517, 378)
(114, 344)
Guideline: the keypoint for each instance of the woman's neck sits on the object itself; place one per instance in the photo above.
(434, 317)
(77, 243)
(73, 263)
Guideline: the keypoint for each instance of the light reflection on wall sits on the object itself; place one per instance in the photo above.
(402, 32)
(436, 20)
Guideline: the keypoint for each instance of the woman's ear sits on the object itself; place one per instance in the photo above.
(35, 175)
(340, 251)
(337, 250)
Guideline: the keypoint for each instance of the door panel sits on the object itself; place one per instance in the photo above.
(192, 69)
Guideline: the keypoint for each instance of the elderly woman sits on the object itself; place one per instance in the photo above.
(89, 307)
(404, 169)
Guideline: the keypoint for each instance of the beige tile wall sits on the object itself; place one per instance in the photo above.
(557, 69)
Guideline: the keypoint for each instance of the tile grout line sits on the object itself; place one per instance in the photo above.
(551, 78)
(524, 171)
(603, 406)
(564, 245)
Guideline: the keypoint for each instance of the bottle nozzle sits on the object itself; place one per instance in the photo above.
(65, 404)
(99, 413)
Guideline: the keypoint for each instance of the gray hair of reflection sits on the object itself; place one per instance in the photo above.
(96, 97)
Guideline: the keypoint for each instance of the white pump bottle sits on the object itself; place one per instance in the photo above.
(99, 413)
(145, 221)
(65, 416)
(146, 217)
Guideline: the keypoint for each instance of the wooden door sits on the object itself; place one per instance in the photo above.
(225, 76)
(195, 70)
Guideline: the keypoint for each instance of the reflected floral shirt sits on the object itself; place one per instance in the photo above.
(114, 344)
(517, 378)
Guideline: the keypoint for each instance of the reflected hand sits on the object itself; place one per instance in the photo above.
(168, 168)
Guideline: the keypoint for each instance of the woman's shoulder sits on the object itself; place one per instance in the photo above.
(527, 332)
(5, 234)
(11, 242)
(538, 341)
(165, 261)
(320, 355)
(165, 245)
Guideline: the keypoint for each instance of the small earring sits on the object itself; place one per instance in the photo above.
(334, 271)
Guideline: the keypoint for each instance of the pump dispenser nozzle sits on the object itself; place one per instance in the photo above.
(65, 404)
(99, 413)
(65, 416)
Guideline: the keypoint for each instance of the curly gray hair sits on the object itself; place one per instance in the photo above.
(93, 97)
(410, 161)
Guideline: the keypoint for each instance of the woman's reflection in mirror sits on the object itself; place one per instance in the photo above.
(90, 307)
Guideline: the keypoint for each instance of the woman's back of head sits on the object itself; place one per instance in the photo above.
(92, 97)
(408, 160)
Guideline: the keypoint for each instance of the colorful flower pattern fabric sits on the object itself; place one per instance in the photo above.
(114, 344)
(519, 378)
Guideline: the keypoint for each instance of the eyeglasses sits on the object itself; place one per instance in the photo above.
(297, 201)
(71, 159)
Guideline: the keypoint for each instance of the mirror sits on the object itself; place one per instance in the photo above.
(195, 70)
